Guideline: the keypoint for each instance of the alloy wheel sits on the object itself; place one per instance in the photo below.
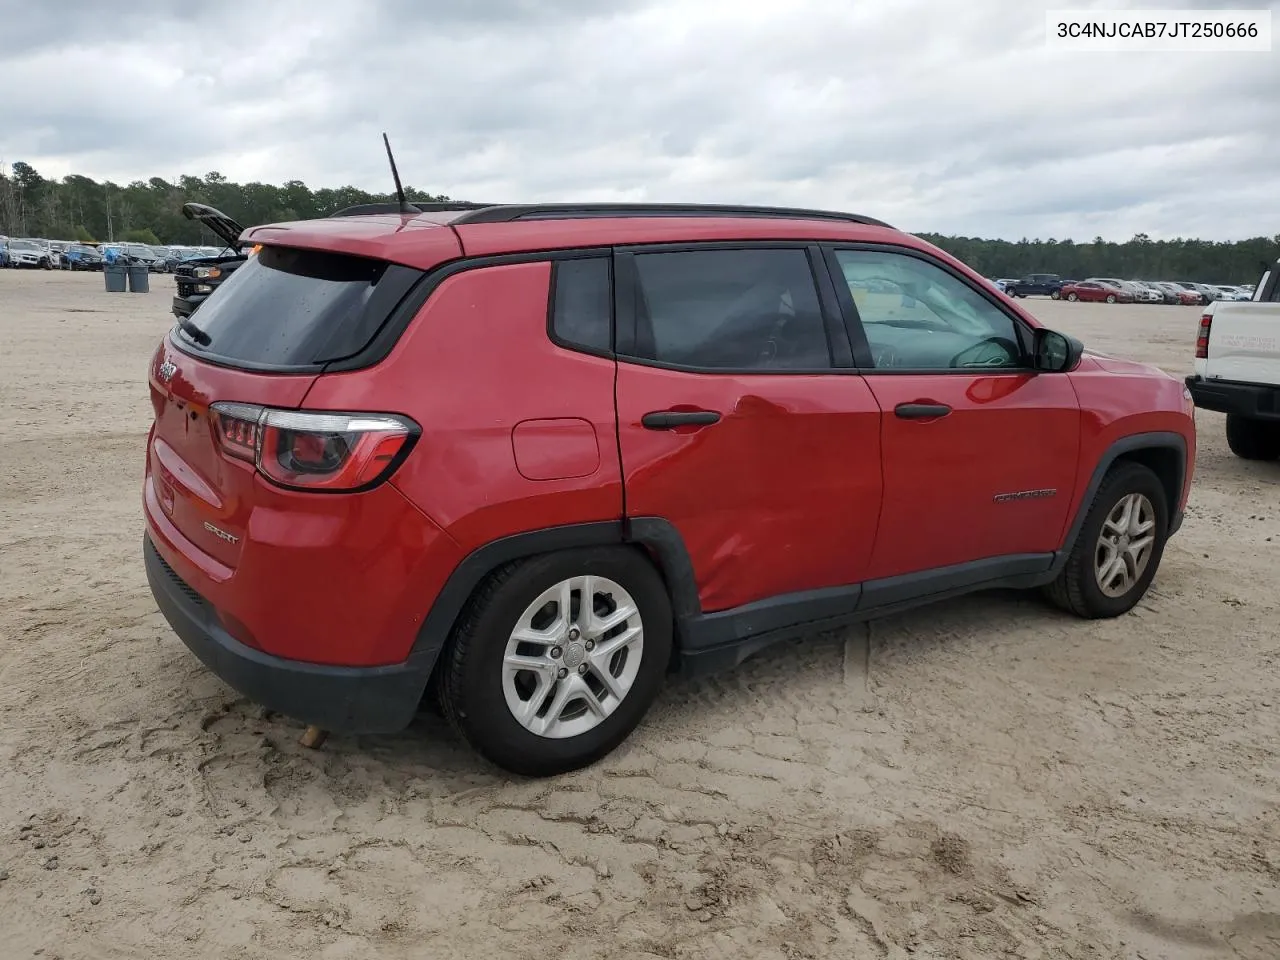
(573, 657)
(1125, 545)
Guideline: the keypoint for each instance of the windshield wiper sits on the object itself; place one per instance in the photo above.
(194, 332)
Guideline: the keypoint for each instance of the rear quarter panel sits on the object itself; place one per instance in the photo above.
(477, 370)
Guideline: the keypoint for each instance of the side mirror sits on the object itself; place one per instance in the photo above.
(1055, 352)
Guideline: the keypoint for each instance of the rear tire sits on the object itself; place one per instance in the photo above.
(1253, 439)
(1111, 298)
(1129, 507)
(480, 692)
(1056, 295)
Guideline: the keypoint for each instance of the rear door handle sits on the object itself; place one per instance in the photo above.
(921, 411)
(666, 419)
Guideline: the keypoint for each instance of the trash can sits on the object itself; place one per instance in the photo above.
(139, 279)
(113, 274)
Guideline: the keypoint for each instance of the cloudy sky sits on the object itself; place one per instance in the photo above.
(936, 115)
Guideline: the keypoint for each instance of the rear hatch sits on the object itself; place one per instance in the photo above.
(257, 345)
(205, 494)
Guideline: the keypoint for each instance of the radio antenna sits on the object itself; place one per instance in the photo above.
(406, 208)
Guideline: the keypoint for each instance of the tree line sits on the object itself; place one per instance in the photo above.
(1200, 261)
(80, 208)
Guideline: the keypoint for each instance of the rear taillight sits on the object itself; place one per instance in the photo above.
(1202, 338)
(314, 451)
(237, 426)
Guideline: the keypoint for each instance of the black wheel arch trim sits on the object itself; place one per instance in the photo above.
(1155, 440)
(661, 540)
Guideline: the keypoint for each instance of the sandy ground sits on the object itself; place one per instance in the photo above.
(986, 778)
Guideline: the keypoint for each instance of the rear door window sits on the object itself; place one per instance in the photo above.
(286, 307)
(753, 309)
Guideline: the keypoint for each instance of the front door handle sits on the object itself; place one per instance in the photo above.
(921, 411)
(667, 419)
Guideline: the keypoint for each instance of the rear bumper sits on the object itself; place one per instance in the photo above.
(341, 699)
(1252, 400)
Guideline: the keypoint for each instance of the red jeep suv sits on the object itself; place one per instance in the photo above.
(534, 457)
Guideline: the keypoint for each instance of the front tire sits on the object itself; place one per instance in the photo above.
(1073, 297)
(1111, 298)
(1056, 295)
(539, 680)
(1115, 557)
(1253, 439)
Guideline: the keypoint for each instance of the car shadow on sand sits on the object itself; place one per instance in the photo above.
(830, 667)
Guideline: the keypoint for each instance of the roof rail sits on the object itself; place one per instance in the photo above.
(510, 212)
(370, 209)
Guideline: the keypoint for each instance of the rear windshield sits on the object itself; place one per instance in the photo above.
(298, 308)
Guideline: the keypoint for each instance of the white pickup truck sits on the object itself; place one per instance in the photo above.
(1237, 368)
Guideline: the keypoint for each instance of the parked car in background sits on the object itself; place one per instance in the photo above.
(1165, 296)
(1036, 284)
(1190, 288)
(1181, 295)
(4, 251)
(29, 253)
(141, 253)
(1207, 293)
(1136, 293)
(164, 258)
(81, 256)
(175, 255)
(1232, 293)
(1096, 291)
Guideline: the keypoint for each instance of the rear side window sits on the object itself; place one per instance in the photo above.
(754, 309)
(286, 307)
(582, 304)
